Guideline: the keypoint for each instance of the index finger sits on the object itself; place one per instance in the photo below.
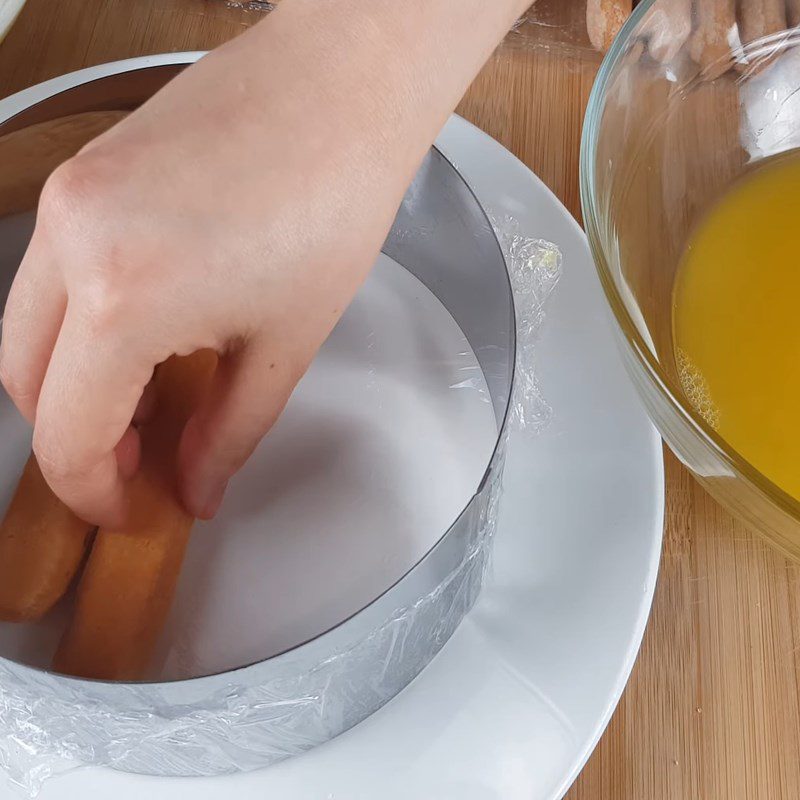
(89, 396)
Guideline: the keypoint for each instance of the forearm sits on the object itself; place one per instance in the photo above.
(379, 77)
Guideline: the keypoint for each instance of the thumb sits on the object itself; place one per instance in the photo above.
(250, 390)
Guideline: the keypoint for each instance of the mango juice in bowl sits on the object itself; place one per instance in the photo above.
(690, 182)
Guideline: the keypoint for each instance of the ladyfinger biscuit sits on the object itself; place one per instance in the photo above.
(42, 546)
(604, 20)
(127, 587)
(714, 35)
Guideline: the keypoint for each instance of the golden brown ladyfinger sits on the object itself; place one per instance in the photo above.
(127, 587)
(42, 545)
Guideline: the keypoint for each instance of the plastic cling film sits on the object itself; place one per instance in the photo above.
(50, 724)
(554, 25)
(48, 729)
(534, 267)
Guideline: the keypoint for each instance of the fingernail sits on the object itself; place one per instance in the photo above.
(213, 501)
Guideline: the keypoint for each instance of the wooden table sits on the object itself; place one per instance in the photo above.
(712, 711)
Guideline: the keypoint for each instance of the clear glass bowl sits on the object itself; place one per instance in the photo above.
(680, 109)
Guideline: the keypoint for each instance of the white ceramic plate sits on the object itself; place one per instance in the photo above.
(9, 9)
(515, 703)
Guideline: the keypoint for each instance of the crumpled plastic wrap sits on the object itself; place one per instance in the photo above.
(554, 25)
(49, 724)
(534, 267)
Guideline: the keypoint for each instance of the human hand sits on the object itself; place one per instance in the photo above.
(238, 210)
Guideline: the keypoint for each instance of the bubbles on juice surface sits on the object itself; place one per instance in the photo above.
(696, 388)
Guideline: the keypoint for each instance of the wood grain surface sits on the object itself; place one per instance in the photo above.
(712, 711)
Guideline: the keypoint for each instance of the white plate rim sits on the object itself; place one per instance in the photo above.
(459, 127)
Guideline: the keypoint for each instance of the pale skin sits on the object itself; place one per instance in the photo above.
(240, 209)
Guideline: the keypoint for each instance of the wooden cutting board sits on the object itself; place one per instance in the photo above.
(712, 711)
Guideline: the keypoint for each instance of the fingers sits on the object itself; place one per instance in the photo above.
(129, 453)
(250, 390)
(31, 323)
(86, 405)
(146, 406)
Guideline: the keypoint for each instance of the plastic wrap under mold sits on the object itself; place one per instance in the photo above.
(47, 726)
